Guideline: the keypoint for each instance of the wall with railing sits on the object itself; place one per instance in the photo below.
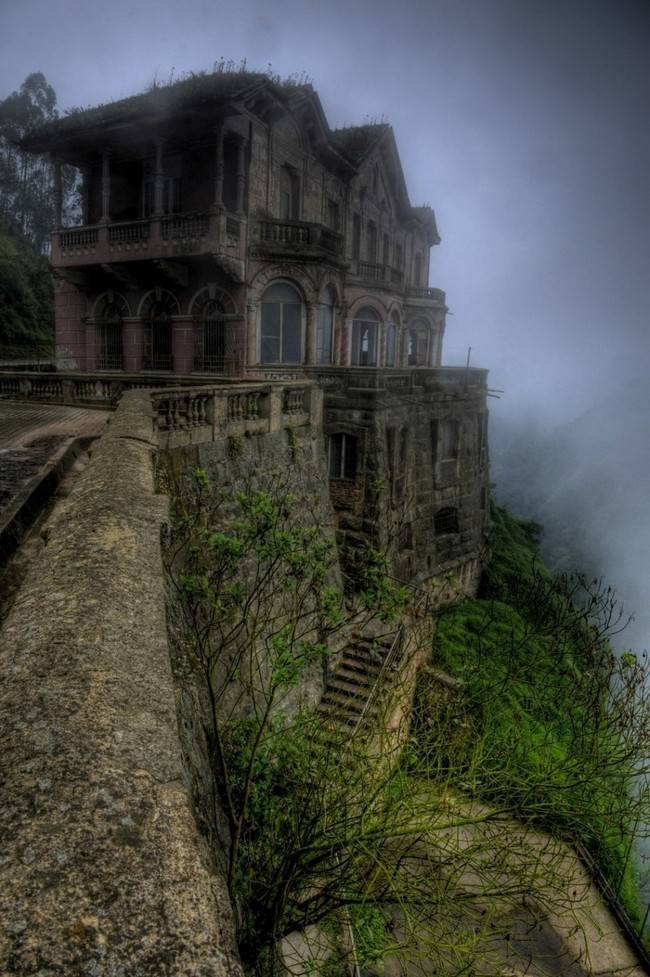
(159, 237)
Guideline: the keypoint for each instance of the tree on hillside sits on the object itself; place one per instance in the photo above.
(26, 180)
(26, 298)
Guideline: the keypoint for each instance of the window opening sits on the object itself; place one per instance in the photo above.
(343, 454)
(446, 521)
(158, 339)
(109, 339)
(364, 338)
(325, 329)
(289, 192)
(281, 332)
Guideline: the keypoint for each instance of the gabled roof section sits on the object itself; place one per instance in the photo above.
(356, 142)
(359, 142)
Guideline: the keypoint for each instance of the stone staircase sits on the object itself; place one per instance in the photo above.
(349, 698)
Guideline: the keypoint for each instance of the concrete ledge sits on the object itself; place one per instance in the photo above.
(102, 869)
(16, 519)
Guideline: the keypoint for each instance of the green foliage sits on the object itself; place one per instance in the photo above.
(547, 722)
(26, 298)
(26, 179)
(371, 936)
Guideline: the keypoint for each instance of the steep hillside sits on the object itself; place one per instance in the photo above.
(545, 723)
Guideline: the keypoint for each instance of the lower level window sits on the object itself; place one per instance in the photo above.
(343, 456)
(446, 521)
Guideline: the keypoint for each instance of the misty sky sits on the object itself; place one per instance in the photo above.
(524, 123)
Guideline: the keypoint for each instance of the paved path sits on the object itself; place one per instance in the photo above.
(30, 434)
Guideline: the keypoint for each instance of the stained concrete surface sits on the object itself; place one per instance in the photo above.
(31, 434)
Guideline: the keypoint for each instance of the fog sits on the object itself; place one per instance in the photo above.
(524, 123)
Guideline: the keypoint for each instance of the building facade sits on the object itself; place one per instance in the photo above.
(226, 232)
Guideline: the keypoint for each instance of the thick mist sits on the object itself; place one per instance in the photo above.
(524, 124)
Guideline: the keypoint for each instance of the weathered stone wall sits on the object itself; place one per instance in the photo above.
(278, 462)
(103, 871)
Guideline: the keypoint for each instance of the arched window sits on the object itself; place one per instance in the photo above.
(210, 349)
(158, 338)
(364, 337)
(289, 194)
(325, 327)
(445, 521)
(109, 338)
(281, 333)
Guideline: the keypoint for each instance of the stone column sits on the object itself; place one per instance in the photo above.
(85, 195)
(159, 181)
(183, 345)
(58, 195)
(241, 175)
(133, 343)
(106, 186)
(219, 169)
(312, 323)
(252, 354)
(346, 332)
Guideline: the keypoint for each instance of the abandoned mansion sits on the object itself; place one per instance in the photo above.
(230, 236)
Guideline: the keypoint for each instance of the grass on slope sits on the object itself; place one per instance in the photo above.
(536, 726)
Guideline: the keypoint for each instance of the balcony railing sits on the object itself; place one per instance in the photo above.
(156, 237)
(296, 236)
(129, 233)
(201, 414)
(434, 294)
(444, 379)
(184, 226)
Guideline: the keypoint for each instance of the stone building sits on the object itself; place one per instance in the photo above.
(228, 232)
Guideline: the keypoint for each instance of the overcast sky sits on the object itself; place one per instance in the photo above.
(524, 123)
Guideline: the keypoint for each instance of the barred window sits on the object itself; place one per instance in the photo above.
(445, 521)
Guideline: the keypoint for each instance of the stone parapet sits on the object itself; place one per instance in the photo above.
(103, 870)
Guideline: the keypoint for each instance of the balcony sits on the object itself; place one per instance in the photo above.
(444, 381)
(295, 239)
(171, 236)
(416, 295)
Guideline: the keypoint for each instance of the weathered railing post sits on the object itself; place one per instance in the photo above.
(218, 406)
(276, 396)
